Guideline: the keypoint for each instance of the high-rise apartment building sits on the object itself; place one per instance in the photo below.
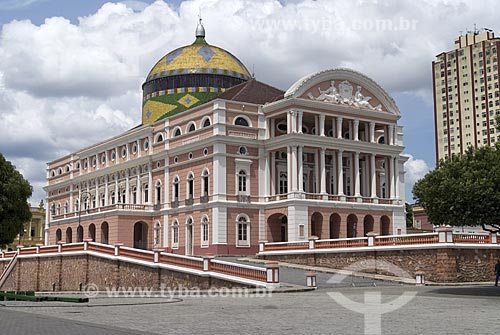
(466, 94)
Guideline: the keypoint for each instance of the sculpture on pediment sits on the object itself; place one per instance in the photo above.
(344, 95)
(330, 94)
(345, 91)
(360, 100)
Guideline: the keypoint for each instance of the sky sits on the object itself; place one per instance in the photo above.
(71, 71)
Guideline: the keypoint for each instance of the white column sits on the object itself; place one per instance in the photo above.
(373, 176)
(150, 183)
(357, 192)
(289, 168)
(139, 188)
(322, 170)
(106, 191)
(273, 173)
(300, 168)
(356, 130)
(97, 202)
(340, 173)
(70, 199)
(294, 168)
(317, 171)
(267, 174)
(299, 126)
(272, 129)
(322, 125)
(391, 135)
(294, 121)
(117, 194)
(127, 188)
(150, 140)
(396, 177)
(339, 127)
(391, 178)
(289, 122)
(316, 124)
(333, 127)
(372, 132)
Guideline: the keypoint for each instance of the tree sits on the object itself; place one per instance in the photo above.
(14, 208)
(409, 215)
(463, 190)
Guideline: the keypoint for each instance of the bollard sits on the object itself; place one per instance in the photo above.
(273, 273)
(207, 259)
(419, 278)
(262, 245)
(156, 256)
(117, 248)
(311, 279)
(312, 241)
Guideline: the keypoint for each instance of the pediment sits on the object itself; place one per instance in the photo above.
(344, 87)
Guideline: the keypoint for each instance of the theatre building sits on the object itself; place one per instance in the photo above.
(222, 161)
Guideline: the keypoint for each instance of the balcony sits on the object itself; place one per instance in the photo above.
(204, 199)
(189, 201)
(243, 198)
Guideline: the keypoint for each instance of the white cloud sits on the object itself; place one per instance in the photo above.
(66, 85)
(415, 169)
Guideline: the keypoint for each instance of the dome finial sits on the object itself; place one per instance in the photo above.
(200, 30)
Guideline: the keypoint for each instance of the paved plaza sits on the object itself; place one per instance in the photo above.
(438, 310)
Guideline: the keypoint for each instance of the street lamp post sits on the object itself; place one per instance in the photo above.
(87, 196)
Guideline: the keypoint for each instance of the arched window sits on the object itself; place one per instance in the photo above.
(67, 168)
(191, 127)
(66, 208)
(52, 173)
(58, 209)
(158, 192)
(177, 132)
(124, 196)
(58, 235)
(204, 231)
(134, 195)
(243, 231)
(59, 171)
(242, 181)
(146, 193)
(53, 209)
(175, 190)
(175, 235)
(204, 183)
(206, 123)
(113, 197)
(69, 235)
(77, 205)
(190, 186)
(241, 121)
(159, 138)
(103, 200)
(94, 203)
(283, 183)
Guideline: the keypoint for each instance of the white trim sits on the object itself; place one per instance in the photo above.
(174, 130)
(189, 125)
(243, 117)
(203, 121)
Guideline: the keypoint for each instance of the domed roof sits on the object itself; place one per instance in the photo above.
(199, 57)
(199, 70)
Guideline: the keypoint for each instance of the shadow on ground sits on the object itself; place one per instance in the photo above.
(479, 291)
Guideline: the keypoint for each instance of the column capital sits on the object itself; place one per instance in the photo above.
(299, 112)
(356, 121)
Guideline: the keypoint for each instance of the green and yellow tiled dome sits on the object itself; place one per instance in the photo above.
(189, 76)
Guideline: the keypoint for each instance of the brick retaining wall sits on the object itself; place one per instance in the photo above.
(66, 273)
(440, 265)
